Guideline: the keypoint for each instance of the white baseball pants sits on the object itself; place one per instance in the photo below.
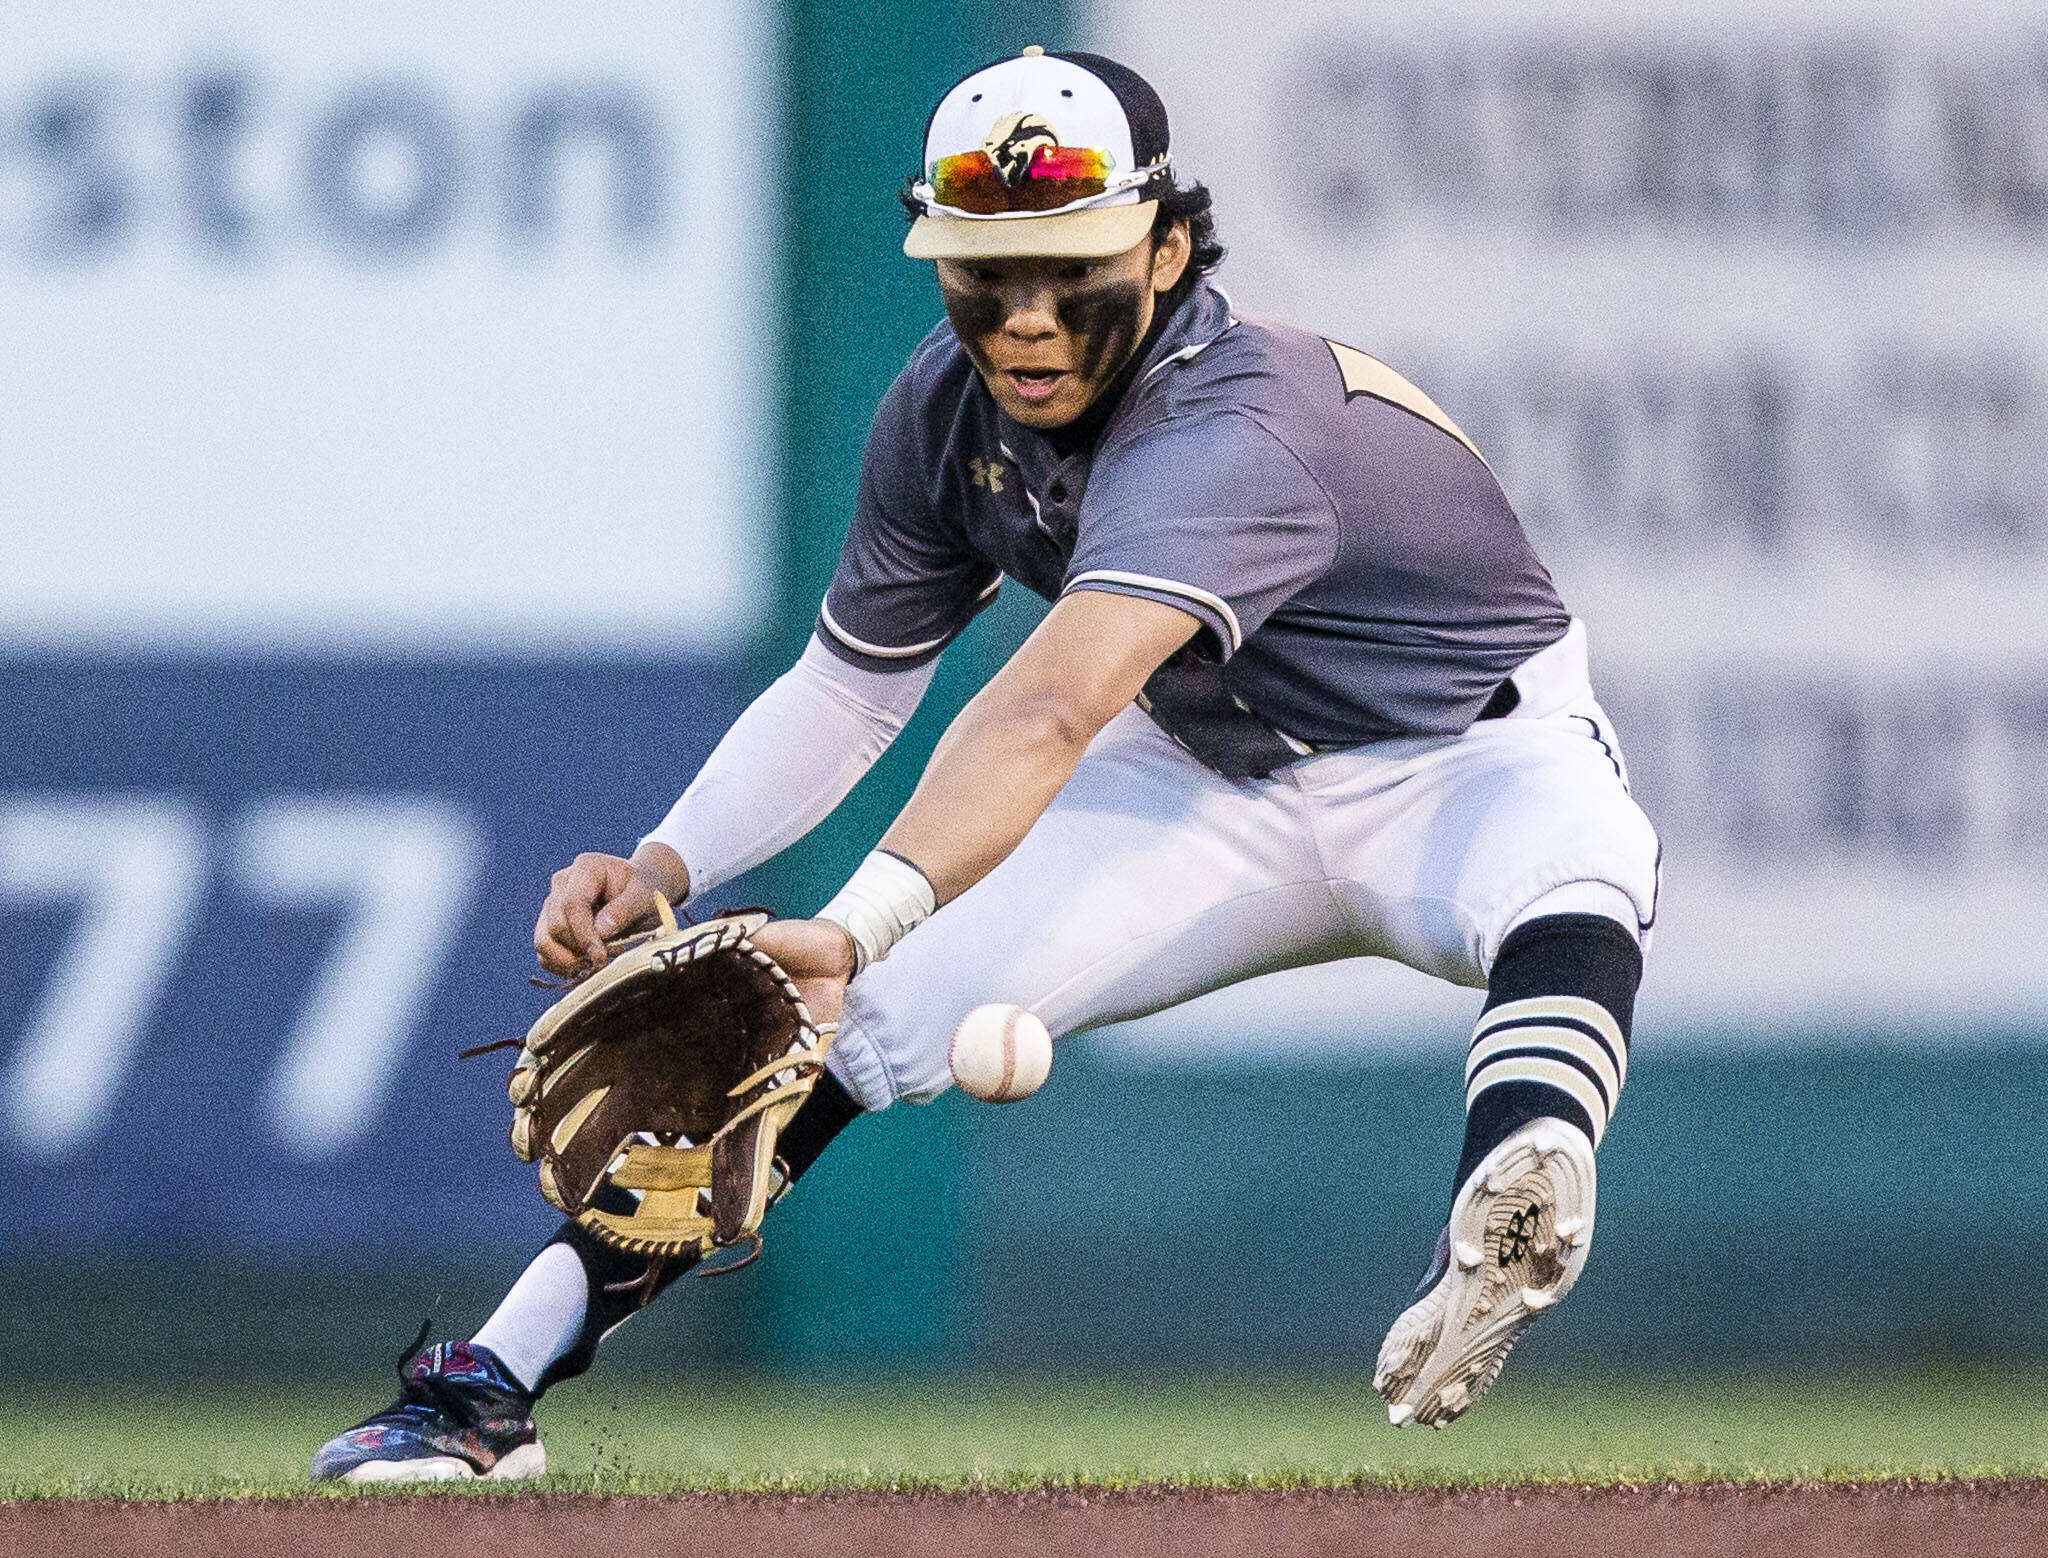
(1150, 880)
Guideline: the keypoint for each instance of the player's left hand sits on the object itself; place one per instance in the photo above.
(817, 955)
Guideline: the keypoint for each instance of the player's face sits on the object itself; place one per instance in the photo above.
(1048, 334)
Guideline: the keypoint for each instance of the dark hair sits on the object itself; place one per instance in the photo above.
(1189, 203)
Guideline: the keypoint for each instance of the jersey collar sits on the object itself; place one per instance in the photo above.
(1195, 326)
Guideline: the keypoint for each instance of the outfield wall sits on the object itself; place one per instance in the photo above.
(1859, 1211)
(417, 442)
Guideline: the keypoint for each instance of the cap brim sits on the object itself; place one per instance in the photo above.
(1091, 234)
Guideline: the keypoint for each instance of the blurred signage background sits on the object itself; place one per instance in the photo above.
(419, 327)
(390, 506)
(1744, 304)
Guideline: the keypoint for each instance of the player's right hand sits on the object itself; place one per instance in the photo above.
(592, 900)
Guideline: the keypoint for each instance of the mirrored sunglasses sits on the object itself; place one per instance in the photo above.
(1055, 176)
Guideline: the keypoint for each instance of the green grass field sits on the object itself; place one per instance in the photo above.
(761, 1435)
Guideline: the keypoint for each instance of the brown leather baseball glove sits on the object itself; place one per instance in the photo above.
(654, 1090)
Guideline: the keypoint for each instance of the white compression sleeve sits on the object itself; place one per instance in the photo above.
(786, 763)
(541, 1317)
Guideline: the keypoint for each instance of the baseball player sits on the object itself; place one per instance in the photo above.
(1304, 693)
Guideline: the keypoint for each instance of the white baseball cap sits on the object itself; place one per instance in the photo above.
(1045, 154)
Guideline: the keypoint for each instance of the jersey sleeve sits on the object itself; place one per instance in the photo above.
(907, 582)
(1213, 515)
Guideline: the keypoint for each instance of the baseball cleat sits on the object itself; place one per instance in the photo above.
(459, 1415)
(1516, 1242)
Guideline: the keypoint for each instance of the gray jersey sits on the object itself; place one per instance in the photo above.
(1356, 569)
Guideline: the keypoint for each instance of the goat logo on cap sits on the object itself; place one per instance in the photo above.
(1013, 140)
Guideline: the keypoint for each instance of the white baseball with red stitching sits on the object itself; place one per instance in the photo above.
(1000, 1053)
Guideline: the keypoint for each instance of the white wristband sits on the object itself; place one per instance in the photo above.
(884, 900)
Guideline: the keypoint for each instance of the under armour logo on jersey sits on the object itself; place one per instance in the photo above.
(1011, 142)
(986, 473)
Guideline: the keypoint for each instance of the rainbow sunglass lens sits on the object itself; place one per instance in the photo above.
(1054, 177)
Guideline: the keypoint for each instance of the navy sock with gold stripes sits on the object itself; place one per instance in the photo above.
(1553, 1037)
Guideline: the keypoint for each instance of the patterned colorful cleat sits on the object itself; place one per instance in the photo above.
(459, 1415)
(1517, 1240)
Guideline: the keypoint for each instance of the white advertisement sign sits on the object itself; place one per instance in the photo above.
(387, 327)
(1748, 306)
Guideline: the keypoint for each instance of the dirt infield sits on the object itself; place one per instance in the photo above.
(1868, 1520)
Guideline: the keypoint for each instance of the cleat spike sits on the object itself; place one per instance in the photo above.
(1400, 1414)
(1533, 1196)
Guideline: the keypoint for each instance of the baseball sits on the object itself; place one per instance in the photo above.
(1000, 1053)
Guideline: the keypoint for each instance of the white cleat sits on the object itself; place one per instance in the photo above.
(1525, 1219)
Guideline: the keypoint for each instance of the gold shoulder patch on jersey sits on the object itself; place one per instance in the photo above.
(1365, 375)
